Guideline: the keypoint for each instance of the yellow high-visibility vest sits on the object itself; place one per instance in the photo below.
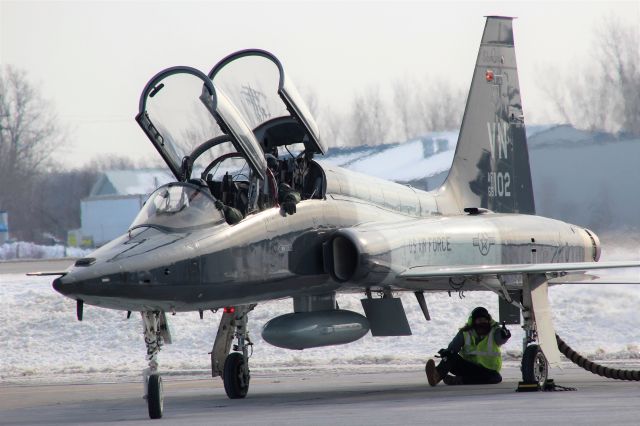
(482, 350)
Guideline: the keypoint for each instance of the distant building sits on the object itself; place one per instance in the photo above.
(4, 227)
(114, 201)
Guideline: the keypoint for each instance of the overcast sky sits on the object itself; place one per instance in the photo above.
(92, 59)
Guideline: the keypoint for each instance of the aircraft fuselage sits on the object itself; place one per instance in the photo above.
(340, 243)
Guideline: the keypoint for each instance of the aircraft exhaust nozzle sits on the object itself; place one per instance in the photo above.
(596, 251)
(345, 258)
(303, 330)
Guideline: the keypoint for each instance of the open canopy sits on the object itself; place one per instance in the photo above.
(256, 83)
(180, 110)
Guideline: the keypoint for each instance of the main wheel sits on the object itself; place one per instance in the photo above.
(236, 382)
(535, 367)
(155, 397)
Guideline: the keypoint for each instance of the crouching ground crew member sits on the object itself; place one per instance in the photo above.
(473, 356)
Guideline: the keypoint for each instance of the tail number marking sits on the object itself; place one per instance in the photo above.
(499, 183)
(499, 140)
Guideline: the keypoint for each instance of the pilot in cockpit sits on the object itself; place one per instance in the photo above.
(231, 214)
(287, 197)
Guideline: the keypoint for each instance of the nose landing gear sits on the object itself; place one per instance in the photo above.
(156, 332)
(155, 396)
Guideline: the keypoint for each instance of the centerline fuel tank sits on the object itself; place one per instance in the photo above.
(302, 330)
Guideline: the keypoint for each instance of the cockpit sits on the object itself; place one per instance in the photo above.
(178, 207)
(242, 133)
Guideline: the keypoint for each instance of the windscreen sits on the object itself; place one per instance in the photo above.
(177, 207)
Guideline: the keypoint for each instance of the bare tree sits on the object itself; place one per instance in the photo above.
(405, 103)
(29, 131)
(440, 106)
(619, 60)
(370, 123)
(111, 162)
(310, 98)
(29, 134)
(332, 127)
(603, 95)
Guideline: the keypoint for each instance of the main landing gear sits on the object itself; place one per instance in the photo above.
(535, 365)
(535, 368)
(235, 368)
(156, 333)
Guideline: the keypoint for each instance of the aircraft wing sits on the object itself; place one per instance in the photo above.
(608, 276)
(426, 272)
(45, 274)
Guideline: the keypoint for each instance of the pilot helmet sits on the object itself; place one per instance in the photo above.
(272, 162)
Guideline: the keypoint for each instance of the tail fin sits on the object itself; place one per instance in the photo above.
(491, 165)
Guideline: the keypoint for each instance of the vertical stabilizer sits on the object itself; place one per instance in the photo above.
(491, 165)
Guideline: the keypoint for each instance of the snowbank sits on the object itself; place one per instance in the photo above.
(42, 341)
(24, 250)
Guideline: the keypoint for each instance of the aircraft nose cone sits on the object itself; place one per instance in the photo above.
(65, 288)
(58, 286)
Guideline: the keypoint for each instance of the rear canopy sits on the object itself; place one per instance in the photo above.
(256, 82)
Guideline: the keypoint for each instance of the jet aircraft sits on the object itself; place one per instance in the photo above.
(349, 233)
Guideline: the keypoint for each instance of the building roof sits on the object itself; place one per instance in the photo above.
(130, 182)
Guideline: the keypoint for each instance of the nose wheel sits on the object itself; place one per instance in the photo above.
(155, 397)
(156, 332)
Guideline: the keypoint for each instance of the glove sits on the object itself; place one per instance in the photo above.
(506, 334)
(444, 353)
(218, 204)
(289, 207)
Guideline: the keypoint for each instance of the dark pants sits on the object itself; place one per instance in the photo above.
(471, 373)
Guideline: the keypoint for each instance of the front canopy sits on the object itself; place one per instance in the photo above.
(178, 207)
(180, 110)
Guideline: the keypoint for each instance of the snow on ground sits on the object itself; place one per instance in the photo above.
(42, 341)
(24, 250)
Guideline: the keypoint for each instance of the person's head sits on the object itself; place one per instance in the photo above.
(481, 320)
(272, 163)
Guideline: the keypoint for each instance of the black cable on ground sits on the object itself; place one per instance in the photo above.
(592, 367)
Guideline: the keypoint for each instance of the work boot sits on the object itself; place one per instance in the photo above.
(433, 375)
(452, 380)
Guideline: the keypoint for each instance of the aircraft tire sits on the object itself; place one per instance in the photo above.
(535, 368)
(234, 385)
(155, 397)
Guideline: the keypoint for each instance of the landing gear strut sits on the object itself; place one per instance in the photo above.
(535, 364)
(535, 367)
(236, 375)
(235, 368)
(155, 334)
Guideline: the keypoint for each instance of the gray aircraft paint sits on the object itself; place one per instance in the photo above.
(362, 233)
(491, 164)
